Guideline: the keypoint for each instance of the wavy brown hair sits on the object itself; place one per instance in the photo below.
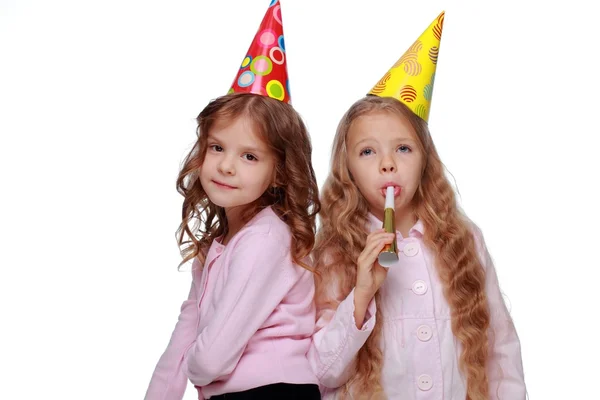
(294, 196)
(342, 237)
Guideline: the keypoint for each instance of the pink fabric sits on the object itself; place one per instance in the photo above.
(420, 351)
(248, 319)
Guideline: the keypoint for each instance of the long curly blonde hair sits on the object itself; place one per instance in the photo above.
(294, 198)
(342, 236)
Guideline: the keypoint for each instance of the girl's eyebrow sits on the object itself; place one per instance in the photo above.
(245, 148)
(404, 139)
(252, 149)
(398, 139)
(363, 140)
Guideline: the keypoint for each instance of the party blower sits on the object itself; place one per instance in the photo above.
(389, 255)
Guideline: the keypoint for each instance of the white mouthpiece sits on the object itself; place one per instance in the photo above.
(389, 197)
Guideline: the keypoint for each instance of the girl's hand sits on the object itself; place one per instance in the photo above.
(370, 274)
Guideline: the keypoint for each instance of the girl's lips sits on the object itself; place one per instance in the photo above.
(223, 185)
(397, 190)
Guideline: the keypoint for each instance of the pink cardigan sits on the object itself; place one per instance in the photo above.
(247, 321)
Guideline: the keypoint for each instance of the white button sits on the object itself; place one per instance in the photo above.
(424, 333)
(425, 382)
(419, 287)
(411, 249)
(219, 250)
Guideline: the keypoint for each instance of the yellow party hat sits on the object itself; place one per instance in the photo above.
(410, 79)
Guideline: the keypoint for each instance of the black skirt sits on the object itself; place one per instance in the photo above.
(276, 391)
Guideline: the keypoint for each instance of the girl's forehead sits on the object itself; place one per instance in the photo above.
(380, 126)
(227, 123)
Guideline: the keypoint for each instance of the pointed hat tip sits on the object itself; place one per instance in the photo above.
(264, 68)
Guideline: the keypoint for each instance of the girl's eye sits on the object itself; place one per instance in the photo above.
(404, 149)
(250, 157)
(366, 152)
(216, 148)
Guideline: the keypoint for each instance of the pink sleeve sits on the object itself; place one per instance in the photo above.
(169, 381)
(260, 277)
(505, 371)
(337, 341)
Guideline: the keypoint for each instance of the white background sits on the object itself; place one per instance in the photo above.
(97, 108)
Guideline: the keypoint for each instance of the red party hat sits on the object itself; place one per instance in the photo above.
(264, 69)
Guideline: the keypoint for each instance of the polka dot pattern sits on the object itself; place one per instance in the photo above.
(263, 70)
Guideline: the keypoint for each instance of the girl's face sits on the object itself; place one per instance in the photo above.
(383, 151)
(238, 166)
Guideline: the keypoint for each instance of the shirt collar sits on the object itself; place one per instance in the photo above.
(416, 231)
